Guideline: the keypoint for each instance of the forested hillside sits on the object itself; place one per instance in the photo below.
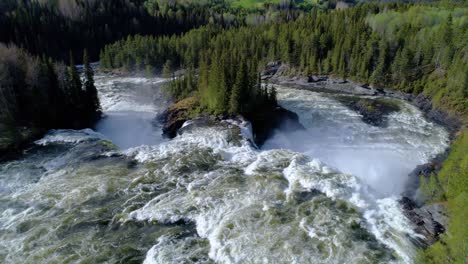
(37, 94)
(415, 49)
(51, 27)
(215, 52)
(55, 27)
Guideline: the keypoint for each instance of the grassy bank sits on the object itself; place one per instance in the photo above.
(450, 186)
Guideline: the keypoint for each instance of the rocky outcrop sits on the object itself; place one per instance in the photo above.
(424, 170)
(430, 220)
(425, 104)
(373, 111)
(266, 121)
(176, 115)
(282, 74)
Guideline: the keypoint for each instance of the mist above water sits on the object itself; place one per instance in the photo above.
(130, 108)
(209, 196)
(380, 157)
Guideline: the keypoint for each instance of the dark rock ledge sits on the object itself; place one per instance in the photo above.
(264, 121)
(282, 74)
(373, 111)
(430, 220)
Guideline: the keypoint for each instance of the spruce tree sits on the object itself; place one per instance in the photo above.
(75, 85)
(378, 76)
(55, 95)
(93, 105)
(272, 98)
(237, 93)
(167, 69)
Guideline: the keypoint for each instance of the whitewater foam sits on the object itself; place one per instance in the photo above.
(209, 195)
(69, 136)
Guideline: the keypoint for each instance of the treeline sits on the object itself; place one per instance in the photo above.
(226, 83)
(238, 13)
(428, 56)
(39, 94)
(52, 26)
(55, 27)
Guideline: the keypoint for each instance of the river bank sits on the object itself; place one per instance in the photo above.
(209, 193)
(431, 220)
(14, 139)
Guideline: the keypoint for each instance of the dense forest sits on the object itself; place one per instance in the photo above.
(221, 47)
(37, 94)
(418, 49)
(55, 26)
(392, 46)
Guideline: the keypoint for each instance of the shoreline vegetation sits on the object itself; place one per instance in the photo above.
(393, 47)
(412, 51)
(38, 94)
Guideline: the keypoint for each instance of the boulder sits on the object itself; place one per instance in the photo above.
(265, 121)
(374, 112)
(429, 221)
(271, 69)
(176, 115)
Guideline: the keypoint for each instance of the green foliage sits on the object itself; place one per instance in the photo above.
(454, 173)
(92, 103)
(428, 57)
(453, 179)
(431, 188)
(37, 93)
(45, 27)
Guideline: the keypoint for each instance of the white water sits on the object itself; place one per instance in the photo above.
(381, 157)
(246, 205)
(130, 106)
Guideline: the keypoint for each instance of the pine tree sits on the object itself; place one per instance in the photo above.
(272, 98)
(237, 97)
(93, 105)
(378, 76)
(75, 85)
(167, 69)
(55, 95)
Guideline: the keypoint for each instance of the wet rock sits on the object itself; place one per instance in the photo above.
(203, 120)
(176, 115)
(425, 104)
(312, 79)
(425, 170)
(305, 196)
(429, 221)
(271, 68)
(374, 112)
(264, 121)
(267, 120)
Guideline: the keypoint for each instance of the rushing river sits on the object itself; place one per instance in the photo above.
(124, 194)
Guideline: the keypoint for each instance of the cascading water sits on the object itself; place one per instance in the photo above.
(208, 196)
(130, 107)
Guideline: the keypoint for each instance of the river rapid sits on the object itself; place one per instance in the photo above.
(124, 194)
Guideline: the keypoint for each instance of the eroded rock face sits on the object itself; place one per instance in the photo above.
(374, 111)
(266, 121)
(430, 220)
(425, 104)
(176, 115)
